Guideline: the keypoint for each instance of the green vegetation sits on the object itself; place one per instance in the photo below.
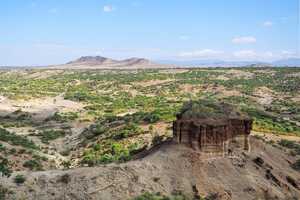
(205, 108)
(175, 196)
(296, 165)
(48, 135)
(267, 122)
(19, 179)
(64, 117)
(125, 112)
(149, 196)
(14, 139)
(290, 145)
(4, 167)
(3, 192)
(35, 164)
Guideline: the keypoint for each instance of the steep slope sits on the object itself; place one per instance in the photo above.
(263, 173)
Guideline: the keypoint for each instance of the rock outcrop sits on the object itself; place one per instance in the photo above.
(211, 126)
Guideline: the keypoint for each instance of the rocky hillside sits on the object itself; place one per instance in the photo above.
(264, 173)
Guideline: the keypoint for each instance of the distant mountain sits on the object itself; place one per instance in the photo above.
(292, 62)
(211, 63)
(99, 62)
(136, 61)
(92, 60)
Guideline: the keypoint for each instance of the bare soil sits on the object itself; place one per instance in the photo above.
(263, 173)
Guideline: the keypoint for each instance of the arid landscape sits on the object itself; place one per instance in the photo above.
(150, 100)
(107, 134)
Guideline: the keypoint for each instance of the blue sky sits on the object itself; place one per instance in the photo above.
(39, 32)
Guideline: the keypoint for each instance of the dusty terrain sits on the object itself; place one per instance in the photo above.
(75, 134)
(263, 173)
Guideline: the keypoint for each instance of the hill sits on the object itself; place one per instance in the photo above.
(262, 174)
(99, 62)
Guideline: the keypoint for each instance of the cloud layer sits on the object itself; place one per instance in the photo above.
(268, 24)
(108, 8)
(244, 40)
(201, 53)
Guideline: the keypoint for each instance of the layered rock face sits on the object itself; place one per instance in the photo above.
(211, 132)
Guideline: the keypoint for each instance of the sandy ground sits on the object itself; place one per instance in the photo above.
(263, 95)
(153, 82)
(276, 138)
(233, 73)
(171, 168)
(40, 109)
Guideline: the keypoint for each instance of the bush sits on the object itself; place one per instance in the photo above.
(158, 196)
(48, 135)
(157, 139)
(64, 117)
(296, 165)
(4, 168)
(3, 192)
(106, 158)
(33, 165)
(151, 117)
(291, 145)
(66, 178)
(14, 139)
(19, 179)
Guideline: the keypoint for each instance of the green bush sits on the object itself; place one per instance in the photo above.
(48, 135)
(14, 139)
(33, 164)
(4, 167)
(64, 117)
(291, 145)
(158, 196)
(19, 179)
(296, 165)
(3, 192)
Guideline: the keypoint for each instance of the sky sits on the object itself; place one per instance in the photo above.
(42, 32)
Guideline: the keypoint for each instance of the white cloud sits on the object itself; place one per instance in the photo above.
(286, 54)
(254, 55)
(268, 24)
(244, 40)
(108, 8)
(268, 54)
(184, 37)
(201, 53)
(245, 54)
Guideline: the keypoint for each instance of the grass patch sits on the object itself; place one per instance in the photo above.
(49, 135)
(14, 139)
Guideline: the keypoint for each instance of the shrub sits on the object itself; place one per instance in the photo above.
(157, 139)
(33, 165)
(65, 152)
(106, 158)
(48, 135)
(14, 139)
(158, 196)
(64, 117)
(296, 165)
(66, 178)
(4, 168)
(151, 117)
(19, 179)
(3, 192)
(291, 145)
